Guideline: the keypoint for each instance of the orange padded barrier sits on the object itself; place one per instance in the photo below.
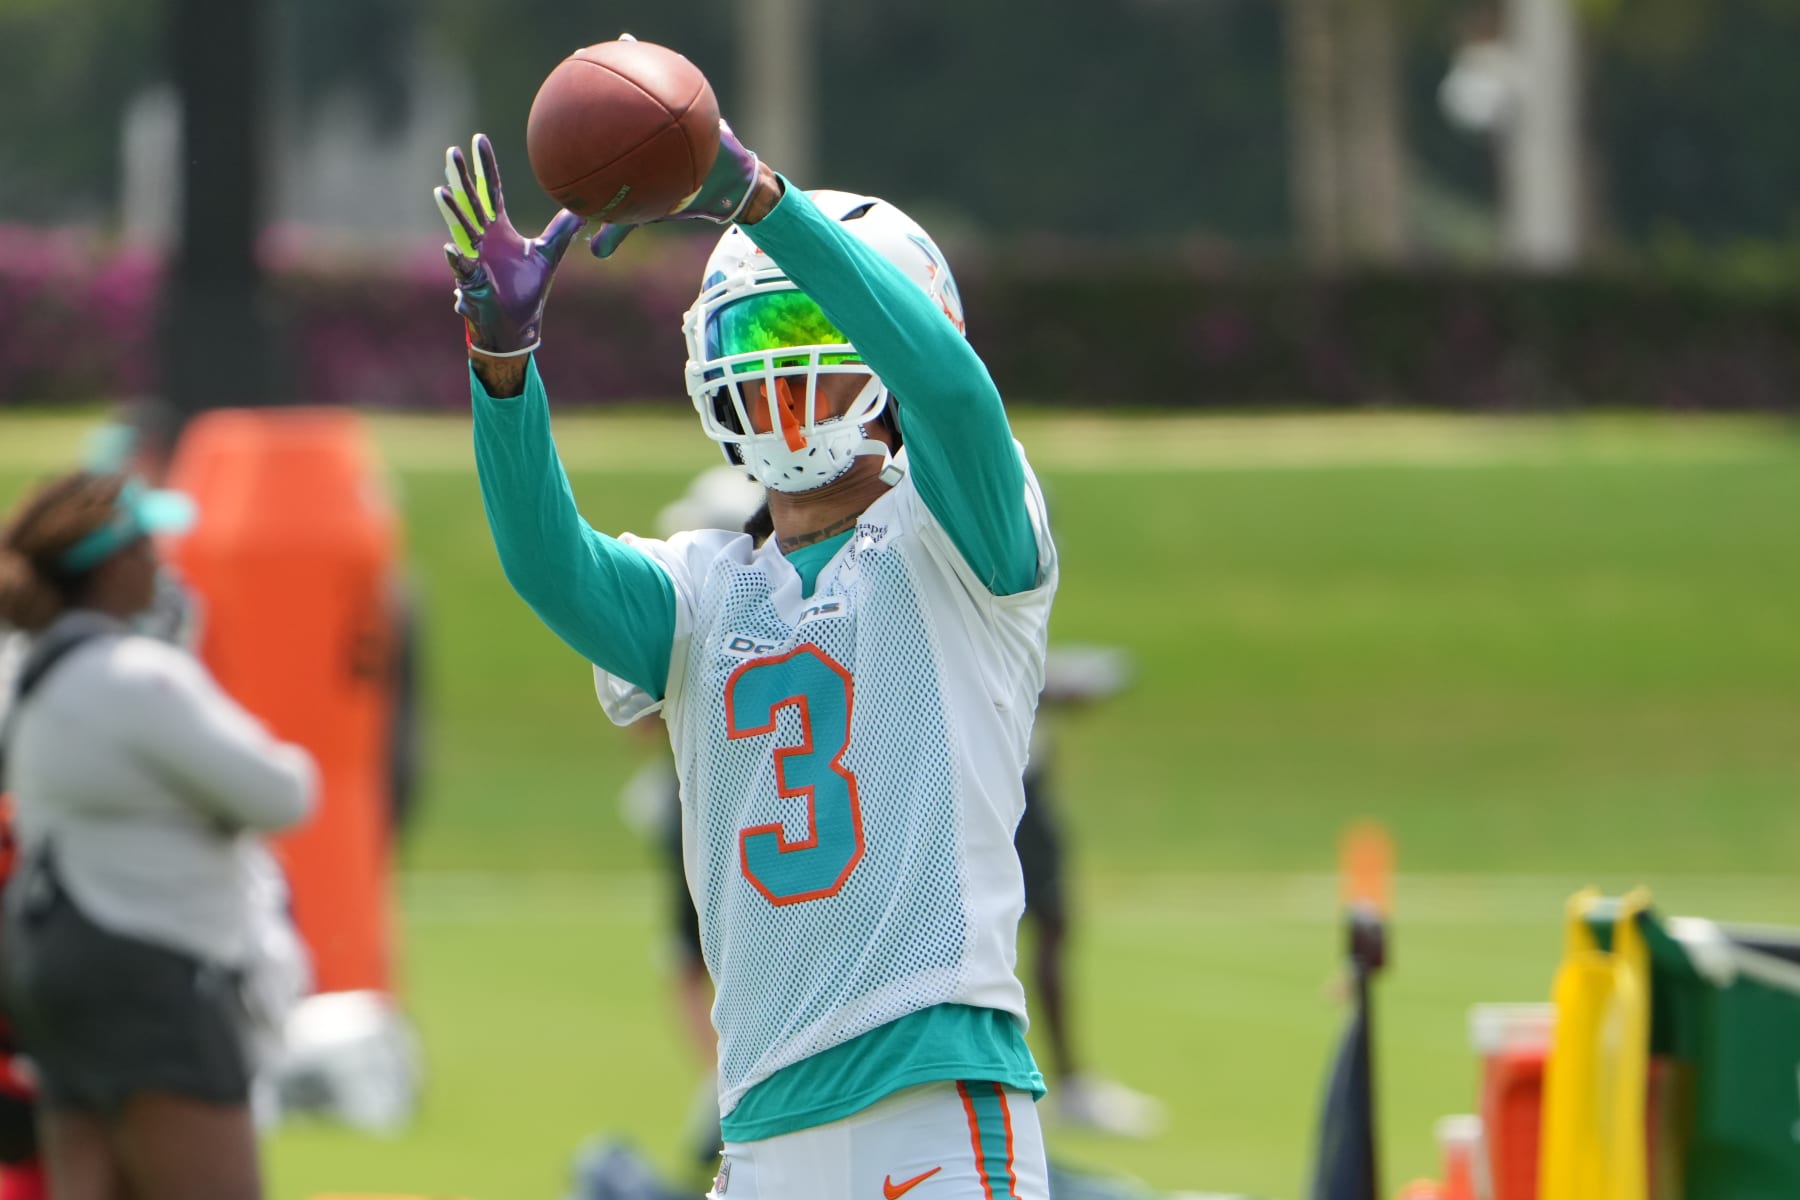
(292, 559)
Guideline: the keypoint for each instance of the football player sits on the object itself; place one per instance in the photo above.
(849, 704)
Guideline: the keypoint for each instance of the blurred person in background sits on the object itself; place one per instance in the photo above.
(849, 703)
(278, 970)
(1074, 678)
(140, 789)
(347, 1056)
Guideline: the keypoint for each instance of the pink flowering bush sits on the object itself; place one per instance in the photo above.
(76, 321)
(79, 322)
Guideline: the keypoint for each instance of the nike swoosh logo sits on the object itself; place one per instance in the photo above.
(893, 1191)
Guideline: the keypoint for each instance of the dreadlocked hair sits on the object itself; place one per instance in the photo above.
(42, 528)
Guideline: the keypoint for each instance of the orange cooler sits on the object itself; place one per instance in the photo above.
(1460, 1140)
(293, 561)
(1514, 1043)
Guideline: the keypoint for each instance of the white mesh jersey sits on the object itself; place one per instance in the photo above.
(850, 767)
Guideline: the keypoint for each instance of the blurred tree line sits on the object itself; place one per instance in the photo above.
(1149, 119)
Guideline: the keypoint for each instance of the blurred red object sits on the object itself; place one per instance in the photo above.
(1514, 1043)
(24, 1183)
(1460, 1142)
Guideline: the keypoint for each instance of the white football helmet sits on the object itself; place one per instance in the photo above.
(751, 324)
(349, 1055)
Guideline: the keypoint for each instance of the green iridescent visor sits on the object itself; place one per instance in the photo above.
(773, 321)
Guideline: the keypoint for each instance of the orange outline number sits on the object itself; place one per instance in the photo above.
(811, 682)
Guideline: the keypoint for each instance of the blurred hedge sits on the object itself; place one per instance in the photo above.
(79, 324)
(1489, 342)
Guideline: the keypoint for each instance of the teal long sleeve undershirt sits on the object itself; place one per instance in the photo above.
(615, 606)
(959, 446)
(612, 604)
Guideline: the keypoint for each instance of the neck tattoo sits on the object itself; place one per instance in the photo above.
(790, 544)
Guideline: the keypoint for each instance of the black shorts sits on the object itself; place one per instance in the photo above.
(1039, 845)
(104, 1017)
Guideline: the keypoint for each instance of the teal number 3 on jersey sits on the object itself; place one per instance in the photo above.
(820, 690)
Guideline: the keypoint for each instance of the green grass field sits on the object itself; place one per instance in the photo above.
(1545, 654)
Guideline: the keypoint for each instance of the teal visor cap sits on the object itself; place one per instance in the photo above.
(139, 512)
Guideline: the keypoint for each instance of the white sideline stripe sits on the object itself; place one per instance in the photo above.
(494, 897)
(1153, 902)
(1080, 441)
(1192, 444)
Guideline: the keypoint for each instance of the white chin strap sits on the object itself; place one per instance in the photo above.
(831, 447)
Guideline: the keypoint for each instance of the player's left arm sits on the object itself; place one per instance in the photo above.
(959, 446)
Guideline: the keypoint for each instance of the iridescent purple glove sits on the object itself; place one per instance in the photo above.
(502, 279)
(722, 196)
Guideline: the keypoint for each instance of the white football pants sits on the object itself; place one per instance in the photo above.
(937, 1141)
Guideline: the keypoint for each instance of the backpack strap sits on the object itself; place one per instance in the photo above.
(52, 647)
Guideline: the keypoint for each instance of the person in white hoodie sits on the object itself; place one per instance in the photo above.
(141, 790)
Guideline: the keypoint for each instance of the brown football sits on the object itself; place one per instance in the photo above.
(624, 131)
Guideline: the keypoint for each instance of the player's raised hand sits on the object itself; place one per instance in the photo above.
(502, 278)
(722, 198)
